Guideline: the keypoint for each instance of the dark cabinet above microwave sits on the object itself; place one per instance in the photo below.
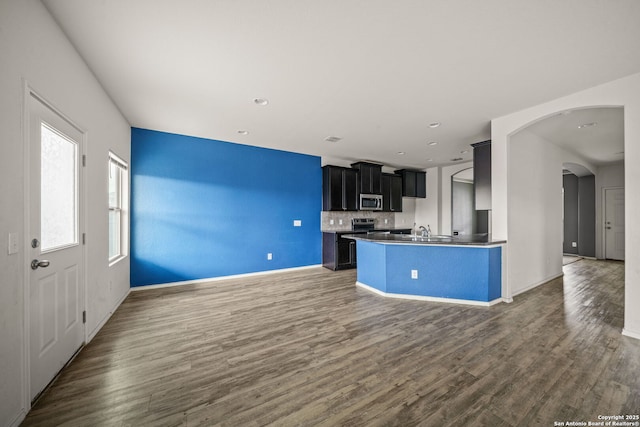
(369, 177)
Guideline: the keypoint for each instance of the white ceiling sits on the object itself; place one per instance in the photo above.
(597, 134)
(373, 72)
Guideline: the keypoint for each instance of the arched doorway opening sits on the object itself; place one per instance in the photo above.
(584, 140)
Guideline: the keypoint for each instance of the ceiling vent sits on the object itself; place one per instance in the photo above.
(332, 139)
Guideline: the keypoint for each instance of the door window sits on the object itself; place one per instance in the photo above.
(59, 190)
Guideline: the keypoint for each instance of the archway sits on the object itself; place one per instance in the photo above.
(620, 93)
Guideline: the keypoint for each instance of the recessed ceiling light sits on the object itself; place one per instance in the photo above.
(332, 139)
(432, 143)
(260, 101)
(587, 125)
(401, 153)
(243, 132)
(434, 125)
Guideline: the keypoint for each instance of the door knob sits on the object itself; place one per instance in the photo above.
(36, 263)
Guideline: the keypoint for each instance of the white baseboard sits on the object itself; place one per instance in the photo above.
(535, 285)
(215, 279)
(18, 419)
(630, 334)
(431, 299)
(99, 326)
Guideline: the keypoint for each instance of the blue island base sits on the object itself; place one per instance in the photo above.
(457, 274)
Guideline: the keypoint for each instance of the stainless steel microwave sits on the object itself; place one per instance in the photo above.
(370, 202)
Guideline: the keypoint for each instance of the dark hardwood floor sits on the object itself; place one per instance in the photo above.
(310, 348)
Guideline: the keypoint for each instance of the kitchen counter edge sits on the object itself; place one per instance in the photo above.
(398, 239)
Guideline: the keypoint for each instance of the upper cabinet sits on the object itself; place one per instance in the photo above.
(391, 193)
(414, 183)
(482, 174)
(369, 177)
(339, 189)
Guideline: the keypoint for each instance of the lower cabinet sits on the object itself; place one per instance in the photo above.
(338, 253)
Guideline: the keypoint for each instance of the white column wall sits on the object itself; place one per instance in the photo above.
(435, 210)
(427, 211)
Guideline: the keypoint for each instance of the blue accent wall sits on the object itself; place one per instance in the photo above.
(203, 208)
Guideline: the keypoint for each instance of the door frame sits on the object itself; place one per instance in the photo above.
(603, 231)
(28, 93)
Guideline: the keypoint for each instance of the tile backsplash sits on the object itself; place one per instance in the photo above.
(346, 217)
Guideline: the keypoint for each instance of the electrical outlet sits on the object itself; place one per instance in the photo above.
(269, 256)
(414, 274)
(386, 221)
(331, 222)
(574, 244)
(297, 223)
(340, 221)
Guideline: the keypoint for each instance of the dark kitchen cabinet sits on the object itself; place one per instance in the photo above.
(414, 183)
(369, 177)
(482, 174)
(339, 189)
(391, 193)
(338, 253)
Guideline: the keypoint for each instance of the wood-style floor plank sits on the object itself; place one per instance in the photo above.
(310, 348)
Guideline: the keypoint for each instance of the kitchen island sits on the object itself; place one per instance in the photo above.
(436, 268)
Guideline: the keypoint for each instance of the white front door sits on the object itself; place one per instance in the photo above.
(614, 223)
(56, 329)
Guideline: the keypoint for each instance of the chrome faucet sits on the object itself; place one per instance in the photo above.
(426, 232)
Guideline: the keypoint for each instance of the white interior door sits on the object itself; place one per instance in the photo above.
(614, 223)
(56, 329)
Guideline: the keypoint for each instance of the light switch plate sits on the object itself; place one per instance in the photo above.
(297, 223)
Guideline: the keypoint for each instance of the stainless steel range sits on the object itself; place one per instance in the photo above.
(363, 224)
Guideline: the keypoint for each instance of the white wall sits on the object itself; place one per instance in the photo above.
(535, 212)
(427, 211)
(435, 210)
(606, 177)
(34, 49)
(623, 92)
